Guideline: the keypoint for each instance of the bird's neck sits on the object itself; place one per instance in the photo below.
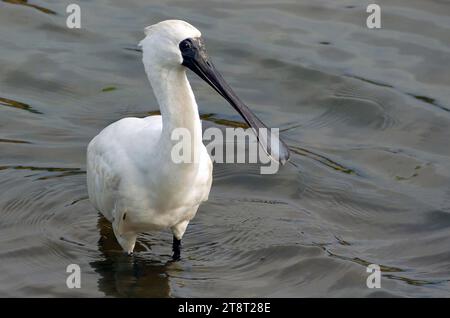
(178, 107)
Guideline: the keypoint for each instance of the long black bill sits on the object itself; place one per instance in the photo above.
(196, 59)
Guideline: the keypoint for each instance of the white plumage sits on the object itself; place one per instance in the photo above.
(131, 178)
(131, 175)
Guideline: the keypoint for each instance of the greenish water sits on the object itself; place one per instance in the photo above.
(366, 114)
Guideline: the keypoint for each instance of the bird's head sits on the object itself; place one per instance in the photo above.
(175, 43)
(161, 45)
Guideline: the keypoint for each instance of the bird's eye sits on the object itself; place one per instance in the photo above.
(185, 45)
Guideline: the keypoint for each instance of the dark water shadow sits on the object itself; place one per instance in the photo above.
(15, 104)
(121, 275)
(25, 3)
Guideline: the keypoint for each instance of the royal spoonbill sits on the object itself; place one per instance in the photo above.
(131, 177)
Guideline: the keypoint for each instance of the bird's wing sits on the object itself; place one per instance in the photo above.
(102, 179)
(108, 154)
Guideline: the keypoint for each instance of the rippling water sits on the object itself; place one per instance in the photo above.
(366, 114)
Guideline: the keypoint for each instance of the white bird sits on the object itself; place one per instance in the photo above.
(131, 177)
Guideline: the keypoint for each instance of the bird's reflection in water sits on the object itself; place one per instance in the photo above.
(121, 275)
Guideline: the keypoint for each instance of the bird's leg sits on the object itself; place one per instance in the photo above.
(178, 231)
(176, 248)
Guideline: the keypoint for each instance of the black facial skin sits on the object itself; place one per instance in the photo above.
(196, 59)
